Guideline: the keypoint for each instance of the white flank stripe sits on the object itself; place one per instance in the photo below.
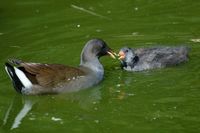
(22, 77)
(8, 72)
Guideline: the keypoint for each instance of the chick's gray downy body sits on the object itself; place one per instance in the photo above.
(151, 58)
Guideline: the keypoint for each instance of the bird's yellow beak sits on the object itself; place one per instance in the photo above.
(112, 54)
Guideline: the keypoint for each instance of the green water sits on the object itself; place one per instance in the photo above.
(158, 101)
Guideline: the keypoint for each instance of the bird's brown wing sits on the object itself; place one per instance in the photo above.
(49, 75)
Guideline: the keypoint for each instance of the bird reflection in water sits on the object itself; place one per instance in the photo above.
(21, 107)
(17, 111)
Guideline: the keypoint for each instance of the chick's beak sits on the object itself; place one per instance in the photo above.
(121, 55)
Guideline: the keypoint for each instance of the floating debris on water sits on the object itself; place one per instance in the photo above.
(90, 12)
(134, 34)
(154, 118)
(98, 30)
(55, 119)
(195, 40)
(31, 118)
(15, 46)
(131, 94)
(96, 121)
(118, 85)
(78, 25)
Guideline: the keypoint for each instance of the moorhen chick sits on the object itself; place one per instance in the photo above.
(149, 58)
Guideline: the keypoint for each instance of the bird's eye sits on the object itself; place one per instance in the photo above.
(103, 46)
(126, 51)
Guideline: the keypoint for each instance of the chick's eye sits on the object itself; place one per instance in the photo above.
(126, 51)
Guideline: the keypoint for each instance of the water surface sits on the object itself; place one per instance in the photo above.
(158, 101)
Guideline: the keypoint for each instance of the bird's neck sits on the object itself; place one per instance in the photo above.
(90, 61)
(95, 66)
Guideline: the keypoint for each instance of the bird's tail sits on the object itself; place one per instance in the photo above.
(185, 52)
(15, 61)
(14, 78)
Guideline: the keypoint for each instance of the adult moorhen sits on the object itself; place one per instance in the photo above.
(36, 78)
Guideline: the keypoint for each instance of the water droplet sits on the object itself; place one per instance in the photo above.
(98, 30)
(135, 33)
(96, 121)
(118, 85)
(130, 94)
(55, 119)
(108, 11)
(195, 40)
(136, 8)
